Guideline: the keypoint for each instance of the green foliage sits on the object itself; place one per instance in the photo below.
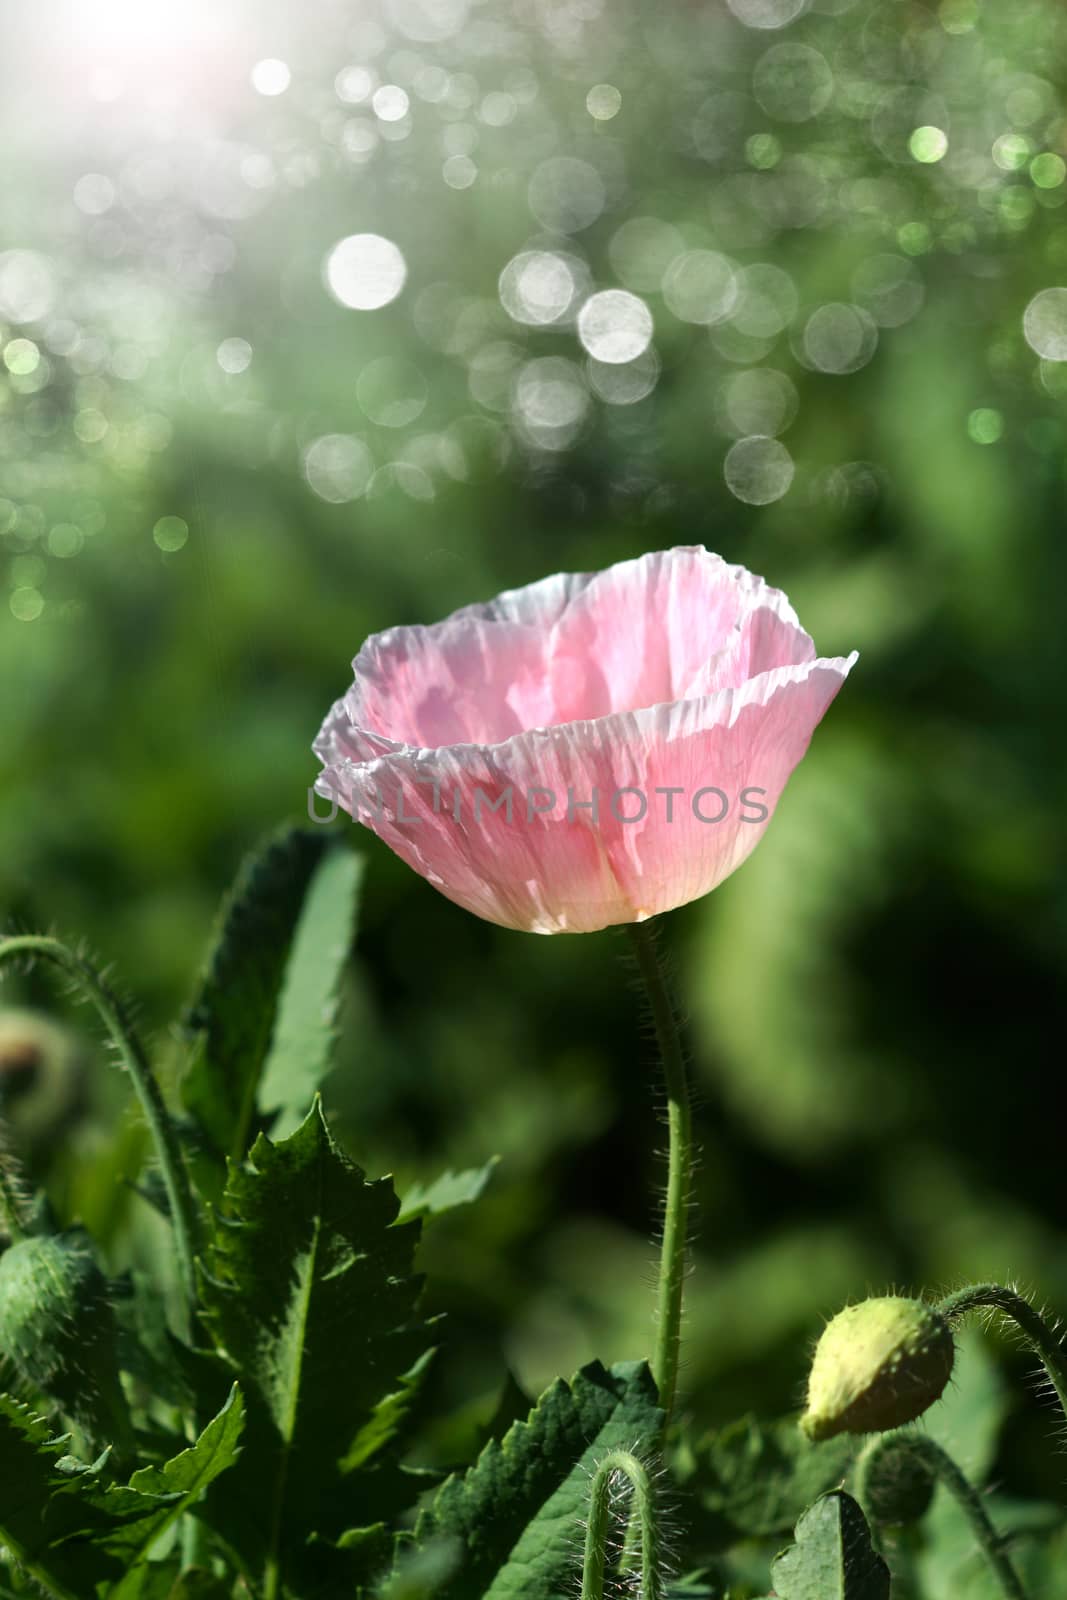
(30, 1484)
(80, 1535)
(445, 1193)
(873, 992)
(139, 1513)
(833, 1558)
(262, 1024)
(755, 1478)
(944, 1563)
(516, 1510)
(795, 1069)
(295, 1430)
(309, 1294)
(305, 1029)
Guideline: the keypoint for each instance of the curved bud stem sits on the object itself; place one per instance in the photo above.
(672, 1268)
(183, 1212)
(1039, 1334)
(642, 1515)
(919, 1449)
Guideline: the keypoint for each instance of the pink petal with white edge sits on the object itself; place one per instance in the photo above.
(664, 627)
(550, 873)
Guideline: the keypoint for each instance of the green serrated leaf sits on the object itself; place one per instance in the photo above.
(445, 1193)
(833, 1557)
(388, 1416)
(232, 1019)
(309, 1293)
(81, 1537)
(30, 1481)
(301, 1051)
(516, 1511)
(155, 1497)
(757, 1477)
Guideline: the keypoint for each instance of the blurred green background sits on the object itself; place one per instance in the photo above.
(229, 451)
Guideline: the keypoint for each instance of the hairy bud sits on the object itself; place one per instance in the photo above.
(878, 1365)
(895, 1483)
(58, 1330)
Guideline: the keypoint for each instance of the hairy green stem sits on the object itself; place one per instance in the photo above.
(941, 1467)
(183, 1213)
(642, 1514)
(1045, 1341)
(672, 1267)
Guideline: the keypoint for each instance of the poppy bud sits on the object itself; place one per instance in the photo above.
(894, 1481)
(42, 1072)
(878, 1365)
(58, 1330)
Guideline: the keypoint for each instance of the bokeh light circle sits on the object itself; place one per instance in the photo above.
(792, 82)
(338, 467)
(365, 271)
(390, 102)
(538, 287)
(234, 355)
(566, 194)
(1045, 324)
(642, 249)
(1048, 170)
(615, 326)
(26, 603)
(839, 338)
(271, 77)
(354, 84)
(625, 384)
(889, 287)
(766, 13)
(767, 301)
(928, 144)
(603, 102)
(170, 534)
(759, 400)
(27, 285)
(700, 286)
(94, 194)
(427, 21)
(758, 470)
(550, 401)
(392, 392)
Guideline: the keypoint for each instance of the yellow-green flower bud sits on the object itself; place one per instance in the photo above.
(878, 1365)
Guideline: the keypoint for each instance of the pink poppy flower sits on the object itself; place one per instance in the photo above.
(592, 749)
